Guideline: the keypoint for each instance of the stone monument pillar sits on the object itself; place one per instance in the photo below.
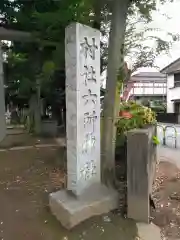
(83, 106)
(85, 196)
(2, 100)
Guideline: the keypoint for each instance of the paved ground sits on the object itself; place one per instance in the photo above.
(170, 134)
(171, 155)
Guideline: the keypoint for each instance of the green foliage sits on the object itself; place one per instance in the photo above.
(47, 19)
(139, 35)
(155, 140)
(159, 108)
(133, 115)
(32, 64)
(158, 105)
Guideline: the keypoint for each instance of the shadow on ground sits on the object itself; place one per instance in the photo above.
(27, 178)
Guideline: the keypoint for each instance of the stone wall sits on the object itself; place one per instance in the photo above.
(141, 166)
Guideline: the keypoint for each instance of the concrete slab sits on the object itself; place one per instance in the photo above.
(71, 211)
(148, 231)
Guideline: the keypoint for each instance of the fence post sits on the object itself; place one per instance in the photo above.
(164, 130)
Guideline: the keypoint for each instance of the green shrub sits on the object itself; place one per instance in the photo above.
(131, 116)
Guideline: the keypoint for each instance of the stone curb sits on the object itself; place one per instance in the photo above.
(148, 231)
(29, 147)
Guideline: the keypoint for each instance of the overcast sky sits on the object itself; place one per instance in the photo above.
(172, 24)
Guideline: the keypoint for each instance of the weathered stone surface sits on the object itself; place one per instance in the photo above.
(2, 100)
(88, 197)
(82, 53)
(141, 163)
(70, 211)
(148, 231)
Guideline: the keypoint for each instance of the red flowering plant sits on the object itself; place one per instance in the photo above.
(125, 114)
(132, 115)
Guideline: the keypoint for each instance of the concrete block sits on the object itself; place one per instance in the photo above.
(71, 211)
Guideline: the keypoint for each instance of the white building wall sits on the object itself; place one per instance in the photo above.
(148, 89)
(172, 93)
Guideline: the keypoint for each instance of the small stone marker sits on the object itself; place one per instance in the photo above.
(82, 52)
(141, 167)
(2, 100)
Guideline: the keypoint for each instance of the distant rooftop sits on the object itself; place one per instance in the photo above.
(172, 67)
(148, 77)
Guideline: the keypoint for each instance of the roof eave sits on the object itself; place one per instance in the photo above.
(168, 68)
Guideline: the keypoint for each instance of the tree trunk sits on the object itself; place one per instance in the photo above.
(97, 11)
(35, 115)
(116, 41)
(32, 103)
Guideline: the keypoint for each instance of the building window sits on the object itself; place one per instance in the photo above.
(177, 80)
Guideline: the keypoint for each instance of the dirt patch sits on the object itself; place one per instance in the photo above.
(167, 198)
(27, 178)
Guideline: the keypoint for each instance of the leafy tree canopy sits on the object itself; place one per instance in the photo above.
(47, 19)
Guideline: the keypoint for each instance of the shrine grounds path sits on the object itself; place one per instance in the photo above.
(27, 176)
(26, 179)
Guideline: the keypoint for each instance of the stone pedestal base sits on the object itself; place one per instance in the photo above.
(146, 231)
(71, 211)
